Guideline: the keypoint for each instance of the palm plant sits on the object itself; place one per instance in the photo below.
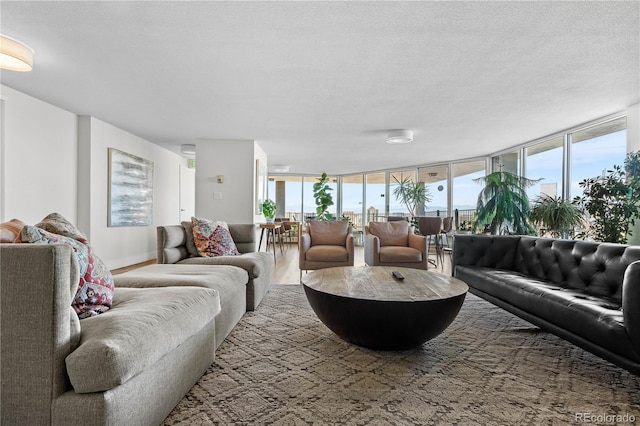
(413, 195)
(558, 216)
(503, 205)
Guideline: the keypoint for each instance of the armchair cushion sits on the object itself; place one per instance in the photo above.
(327, 254)
(397, 254)
(328, 233)
(391, 233)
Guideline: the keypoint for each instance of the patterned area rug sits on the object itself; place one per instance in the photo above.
(282, 366)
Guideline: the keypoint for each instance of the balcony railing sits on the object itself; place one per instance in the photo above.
(465, 215)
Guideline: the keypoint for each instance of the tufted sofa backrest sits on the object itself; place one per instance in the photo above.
(596, 268)
(487, 251)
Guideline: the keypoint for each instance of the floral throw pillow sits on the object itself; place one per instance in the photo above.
(95, 289)
(212, 238)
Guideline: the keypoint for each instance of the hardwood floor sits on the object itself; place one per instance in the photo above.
(286, 269)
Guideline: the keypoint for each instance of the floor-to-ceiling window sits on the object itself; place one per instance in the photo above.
(375, 196)
(595, 150)
(466, 190)
(286, 191)
(352, 201)
(507, 162)
(544, 161)
(309, 202)
(435, 179)
(396, 208)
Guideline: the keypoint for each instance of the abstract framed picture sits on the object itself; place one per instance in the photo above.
(130, 190)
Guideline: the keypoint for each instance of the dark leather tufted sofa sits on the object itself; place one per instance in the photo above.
(585, 292)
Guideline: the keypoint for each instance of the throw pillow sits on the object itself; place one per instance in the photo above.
(10, 230)
(95, 290)
(57, 224)
(212, 238)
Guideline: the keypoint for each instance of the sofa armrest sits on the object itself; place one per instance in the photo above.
(305, 244)
(371, 249)
(631, 302)
(38, 328)
(350, 248)
(171, 244)
(244, 236)
(418, 242)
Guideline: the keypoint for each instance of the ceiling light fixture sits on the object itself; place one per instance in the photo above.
(188, 149)
(399, 136)
(280, 169)
(14, 55)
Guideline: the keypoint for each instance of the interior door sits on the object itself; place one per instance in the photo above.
(187, 193)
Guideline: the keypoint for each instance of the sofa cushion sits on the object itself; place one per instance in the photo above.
(327, 254)
(143, 325)
(212, 238)
(328, 232)
(95, 287)
(256, 263)
(9, 231)
(598, 319)
(395, 254)
(395, 233)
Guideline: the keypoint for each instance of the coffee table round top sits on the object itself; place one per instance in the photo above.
(377, 283)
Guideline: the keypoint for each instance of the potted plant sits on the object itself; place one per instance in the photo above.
(503, 205)
(269, 210)
(557, 216)
(414, 195)
(323, 198)
(613, 202)
(464, 228)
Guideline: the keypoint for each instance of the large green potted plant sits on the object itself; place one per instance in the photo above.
(269, 210)
(613, 202)
(503, 206)
(323, 198)
(557, 216)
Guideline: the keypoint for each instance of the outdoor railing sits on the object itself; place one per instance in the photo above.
(460, 215)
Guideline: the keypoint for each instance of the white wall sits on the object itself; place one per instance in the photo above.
(121, 246)
(55, 161)
(39, 159)
(235, 160)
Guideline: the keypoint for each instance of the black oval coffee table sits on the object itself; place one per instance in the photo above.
(367, 306)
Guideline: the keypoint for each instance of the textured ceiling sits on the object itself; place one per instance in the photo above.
(317, 84)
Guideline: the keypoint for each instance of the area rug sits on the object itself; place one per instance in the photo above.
(281, 366)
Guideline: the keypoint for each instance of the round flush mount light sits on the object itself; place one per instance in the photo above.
(399, 136)
(14, 55)
(280, 169)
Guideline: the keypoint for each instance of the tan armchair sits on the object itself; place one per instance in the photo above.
(393, 244)
(325, 245)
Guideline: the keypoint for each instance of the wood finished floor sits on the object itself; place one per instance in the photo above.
(286, 269)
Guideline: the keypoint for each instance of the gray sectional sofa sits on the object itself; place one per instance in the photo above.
(585, 292)
(176, 245)
(130, 365)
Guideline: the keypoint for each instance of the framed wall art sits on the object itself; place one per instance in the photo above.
(130, 190)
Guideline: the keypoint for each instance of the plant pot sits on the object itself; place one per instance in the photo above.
(269, 219)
